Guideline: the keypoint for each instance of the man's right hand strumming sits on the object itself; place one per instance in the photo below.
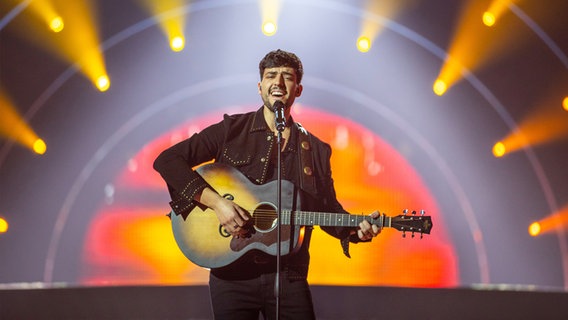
(232, 217)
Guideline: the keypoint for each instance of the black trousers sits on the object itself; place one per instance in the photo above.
(247, 299)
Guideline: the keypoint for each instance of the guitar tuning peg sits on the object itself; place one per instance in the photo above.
(404, 234)
(405, 211)
(413, 212)
(421, 235)
(422, 212)
(412, 235)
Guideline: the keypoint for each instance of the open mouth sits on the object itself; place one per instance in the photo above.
(277, 93)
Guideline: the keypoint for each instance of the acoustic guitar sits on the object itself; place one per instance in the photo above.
(204, 241)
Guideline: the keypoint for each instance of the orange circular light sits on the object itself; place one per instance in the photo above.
(499, 149)
(534, 229)
(3, 225)
(488, 19)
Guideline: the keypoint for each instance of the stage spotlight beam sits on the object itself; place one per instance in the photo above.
(550, 223)
(370, 30)
(474, 45)
(68, 31)
(496, 9)
(269, 12)
(171, 19)
(15, 128)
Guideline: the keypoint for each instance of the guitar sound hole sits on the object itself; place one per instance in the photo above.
(264, 217)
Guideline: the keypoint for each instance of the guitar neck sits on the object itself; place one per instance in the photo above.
(306, 218)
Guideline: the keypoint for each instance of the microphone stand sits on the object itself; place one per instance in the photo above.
(280, 121)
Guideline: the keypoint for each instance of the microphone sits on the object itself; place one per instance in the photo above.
(279, 119)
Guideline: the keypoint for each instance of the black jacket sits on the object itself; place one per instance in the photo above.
(245, 142)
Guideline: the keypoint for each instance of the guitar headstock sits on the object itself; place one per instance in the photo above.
(412, 223)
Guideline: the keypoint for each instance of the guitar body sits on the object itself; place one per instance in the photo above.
(203, 241)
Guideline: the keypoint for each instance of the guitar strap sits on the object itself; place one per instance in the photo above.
(307, 179)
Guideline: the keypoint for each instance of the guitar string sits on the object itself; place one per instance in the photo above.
(264, 215)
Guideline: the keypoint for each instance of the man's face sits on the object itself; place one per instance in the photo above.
(279, 83)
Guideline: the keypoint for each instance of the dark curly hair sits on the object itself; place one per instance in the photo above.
(281, 58)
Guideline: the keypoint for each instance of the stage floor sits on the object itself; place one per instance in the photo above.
(59, 301)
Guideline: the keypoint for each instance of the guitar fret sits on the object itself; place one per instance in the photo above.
(286, 217)
(310, 218)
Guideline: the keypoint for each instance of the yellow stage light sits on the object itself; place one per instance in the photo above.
(439, 87)
(171, 19)
(103, 83)
(565, 104)
(499, 149)
(495, 11)
(39, 146)
(370, 29)
(47, 12)
(80, 45)
(534, 229)
(269, 10)
(543, 125)
(269, 28)
(363, 44)
(56, 24)
(488, 19)
(177, 43)
(552, 222)
(3, 225)
(13, 126)
(473, 45)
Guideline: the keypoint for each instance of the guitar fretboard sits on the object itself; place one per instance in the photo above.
(308, 218)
